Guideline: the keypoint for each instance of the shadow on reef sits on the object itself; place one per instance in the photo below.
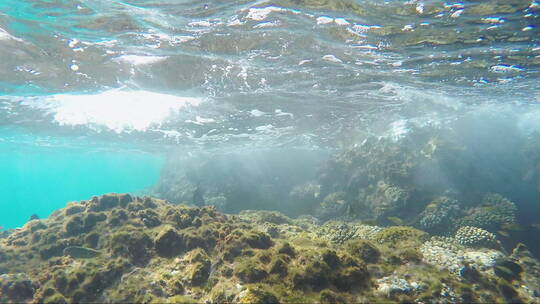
(122, 249)
(479, 171)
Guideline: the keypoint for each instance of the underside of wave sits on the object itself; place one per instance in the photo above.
(118, 111)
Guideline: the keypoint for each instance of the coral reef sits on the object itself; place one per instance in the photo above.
(475, 237)
(494, 212)
(339, 232)
(121, 248)
(439, 216)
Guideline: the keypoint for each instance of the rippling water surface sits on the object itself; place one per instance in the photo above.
(222, 74)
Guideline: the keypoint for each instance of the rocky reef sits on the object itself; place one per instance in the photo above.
(438, 179)
(119, 248)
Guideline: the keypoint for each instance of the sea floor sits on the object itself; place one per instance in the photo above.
(119, 249)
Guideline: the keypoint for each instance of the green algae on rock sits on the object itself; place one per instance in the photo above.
(147, 250)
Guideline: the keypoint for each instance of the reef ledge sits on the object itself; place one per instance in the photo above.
(119, 248)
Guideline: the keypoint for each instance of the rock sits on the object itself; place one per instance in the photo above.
(350, 278)
(250, 272)
(74, 208)
(149, 218)
(392, 285)
(363, 249)
(287, 249)
(259, 240)
(257, 295)
(199, 267)
(17, 286)
(330, 297)
(168, 242)
(74, 226)
(131, 243)
(278, 265)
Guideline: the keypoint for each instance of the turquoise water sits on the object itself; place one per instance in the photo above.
(95, 83)
(40, 179)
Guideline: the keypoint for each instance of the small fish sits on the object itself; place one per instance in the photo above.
(395, 220)
(1, 227)
(81, 252)
(503, 233)
(537, 226)
(512, 227)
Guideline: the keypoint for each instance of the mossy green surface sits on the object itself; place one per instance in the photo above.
(124, 249)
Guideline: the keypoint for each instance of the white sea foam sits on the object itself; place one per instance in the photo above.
(324, 20)
(332, 58)
(261, 13)
(4, 35)
(504, 68)
(256, 113)
(341, 21)
(140, 60)
(268, 24)
(200, 23)
(119, 111)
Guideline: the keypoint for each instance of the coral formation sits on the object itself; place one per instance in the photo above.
(439, 216)
(494, 212)
(475, 237)
(120, 248)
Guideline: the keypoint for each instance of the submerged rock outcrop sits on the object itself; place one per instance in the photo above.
(120, 248)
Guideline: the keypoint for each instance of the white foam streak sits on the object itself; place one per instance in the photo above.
(119, 111)
(4, 35)
(140, 60)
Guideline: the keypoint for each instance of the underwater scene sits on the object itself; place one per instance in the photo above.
(269, 151)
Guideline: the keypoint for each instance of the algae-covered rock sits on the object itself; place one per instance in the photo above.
(74, 208)
(109, 201)
(249, 271)
(400, 234)
(199, 267)
(131, 243)
(364, 250)
(74, 226)
(279, 265)
(17, 287)
(168, 242)
(55, 299)
(263, 216)
(287, 249)
(330, 297)
(257, 295)
(353, 277)
(257, 239)
(108, 253)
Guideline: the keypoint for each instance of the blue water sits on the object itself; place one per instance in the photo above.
(98, 86)
(38, 179)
